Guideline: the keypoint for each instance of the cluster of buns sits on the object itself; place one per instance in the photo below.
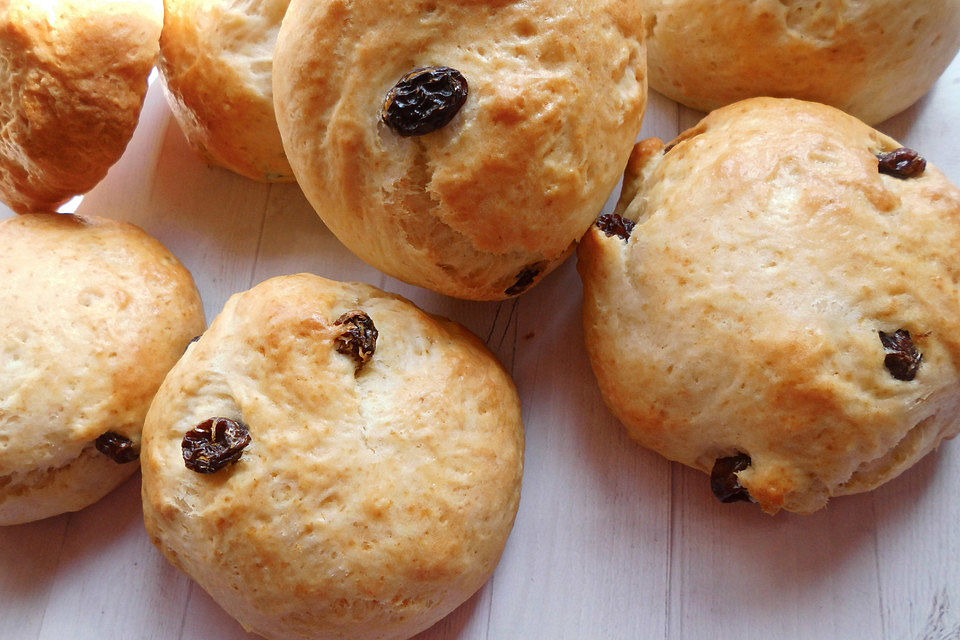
(774, 300)
(96, 312)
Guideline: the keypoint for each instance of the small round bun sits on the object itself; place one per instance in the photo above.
(872, 58)
(483, 206)
(784, 313)
(368, 470)
(95, 313)
(216, 59)
(74, 74)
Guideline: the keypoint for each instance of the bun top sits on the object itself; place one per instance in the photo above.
(872, 59)
(95, 312)
(556, 94)
(393, 463)
(744, 314)
(75, 75)
(216, 59)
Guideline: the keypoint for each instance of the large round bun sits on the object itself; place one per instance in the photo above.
(95, 313)
(486, 205)
(216, 59)
(381, 478)
(872, 58)
(774, 300)
(74, 77)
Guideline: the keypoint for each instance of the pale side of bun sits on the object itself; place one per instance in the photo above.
(216, 60)
(95, 313)
(74, 77)
(743, 314)
(487, 205)
(872, 58)
(369, 502)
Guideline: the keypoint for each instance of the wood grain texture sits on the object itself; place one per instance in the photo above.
(611, 541)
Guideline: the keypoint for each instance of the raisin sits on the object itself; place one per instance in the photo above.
(213, 444)
(118, 448)
(901, 163)
(359, 341)
(724, 481)
(524, 279)
(902, 358)
(615, 225)
(424, 100)
(192, 340)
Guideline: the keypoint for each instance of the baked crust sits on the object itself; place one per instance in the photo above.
(872, 58)
(743, 314)
(495, 199)
(216, 60)
(369, 503)
(75, 76)
(95, 314)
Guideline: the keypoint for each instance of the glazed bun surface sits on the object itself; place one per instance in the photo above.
(75, 76)
(872, 59)
(95, 312)
(382, 474)
(487, 204)
(779, 298)
(216, 60)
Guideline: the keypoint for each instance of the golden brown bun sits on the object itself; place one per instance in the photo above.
(872, 59)
(95, 313)
(743, 314)
(216, 59)
(74, 74)
(487, 205)
(369, 503)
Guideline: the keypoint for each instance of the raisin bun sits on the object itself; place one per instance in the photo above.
(74, 76)
(460, 146)
(95, 313)
(216, 60)
(330, 462)
(775, 302)
(872, 58)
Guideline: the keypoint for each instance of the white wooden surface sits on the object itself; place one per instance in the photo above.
(611, 542)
